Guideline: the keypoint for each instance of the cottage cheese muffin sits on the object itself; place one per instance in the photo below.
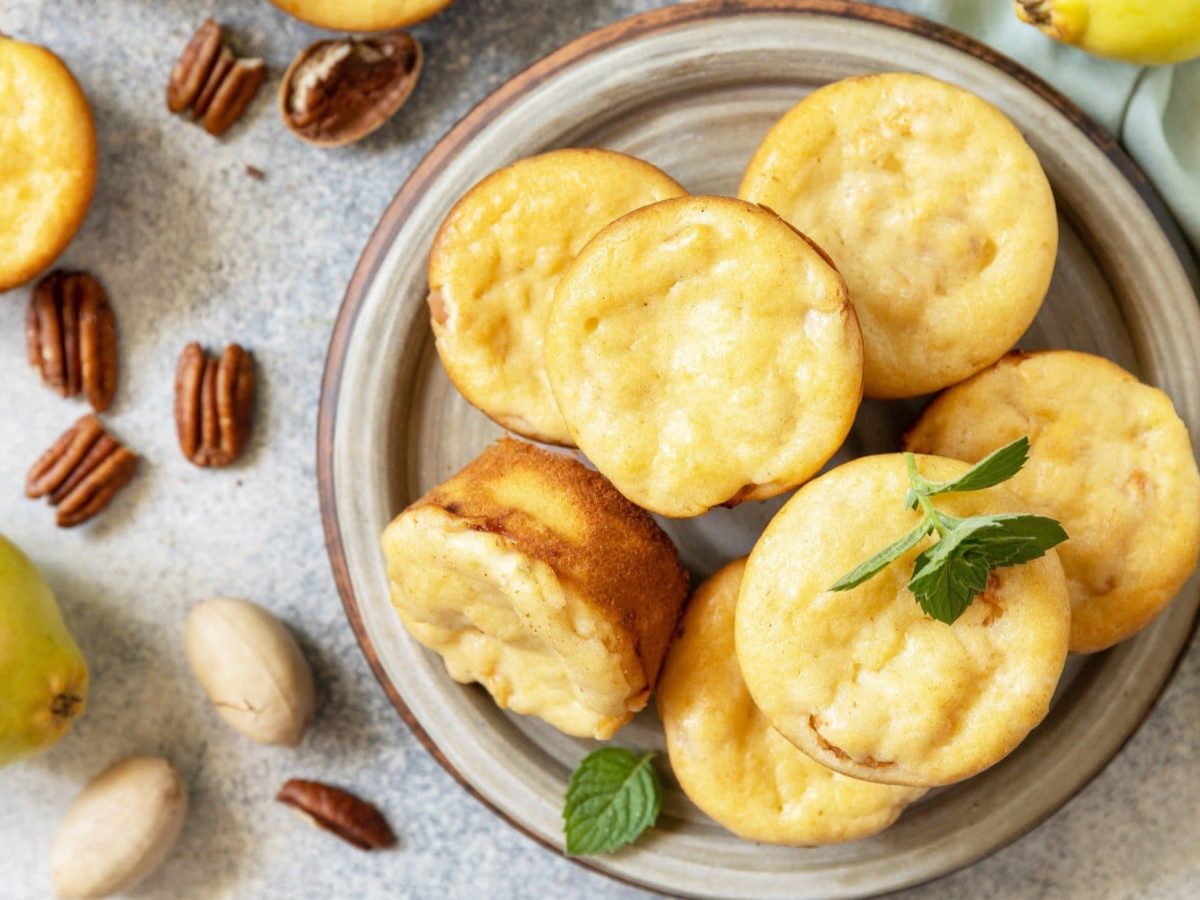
(47, 159)
(361, 15)
(495, 262)
(703, 352)
(1110, 459)
(732, 763)
(530, 574)
(935, 210)
(863, 681)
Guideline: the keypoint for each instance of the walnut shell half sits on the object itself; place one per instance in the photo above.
(338, 91)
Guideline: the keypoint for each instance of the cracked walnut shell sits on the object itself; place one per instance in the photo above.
(82, 472)
(338, 91)
(71, 336)
(214, 404)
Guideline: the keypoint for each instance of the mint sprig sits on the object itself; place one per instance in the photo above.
(613, 797)
(948, 575)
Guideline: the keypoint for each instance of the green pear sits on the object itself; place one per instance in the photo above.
(43, 677)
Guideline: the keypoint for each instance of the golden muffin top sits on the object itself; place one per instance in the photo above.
(863, 681)
(703, 352)
(933, 207)
(730, 761)
(495, 262)
(47, 159)
(1110, 459)
(361, 15)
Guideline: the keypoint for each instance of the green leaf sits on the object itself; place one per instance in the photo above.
(995, 468)
(1016, 538)
(946, 585)
(949, 575)
(613, 797)
(882, 559)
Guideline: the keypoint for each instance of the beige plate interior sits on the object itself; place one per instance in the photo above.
(693, 90)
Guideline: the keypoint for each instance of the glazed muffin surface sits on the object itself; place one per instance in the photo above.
(530, 574)
(730, 761)
(1110, 459)
(863, 681)
(934, 208)
(495, 262)
(703, 353)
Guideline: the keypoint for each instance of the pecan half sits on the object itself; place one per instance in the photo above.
(71, 337)
(214, 404)
(352, 819)
(191, 72)
(338, 91)
(212, 82)
(82, 472)
(239, 86)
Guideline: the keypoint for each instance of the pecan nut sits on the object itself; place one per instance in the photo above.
(210, 81)
(191, 72)
(236, 91)
(214, 404)
(82, 471)
(338, 91)
(349, 817)
(71, 337)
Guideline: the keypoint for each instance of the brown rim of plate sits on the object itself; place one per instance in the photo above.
(465, 129)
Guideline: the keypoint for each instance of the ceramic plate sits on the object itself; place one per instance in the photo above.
(693, 88)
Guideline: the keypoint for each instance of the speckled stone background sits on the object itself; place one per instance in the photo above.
(190, 247)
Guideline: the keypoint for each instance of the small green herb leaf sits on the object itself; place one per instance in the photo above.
(613, 797)
(946, 583)
(882, 559)
(995, 468)
(948, 575)
(1017, 538)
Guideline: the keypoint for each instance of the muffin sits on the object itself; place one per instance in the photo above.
(48, 158)
(935, 210)
(730, 761)
(862, 680)
(1110, 459)
(361, 15)
(703, 352)
(495, 262)
(529, 574)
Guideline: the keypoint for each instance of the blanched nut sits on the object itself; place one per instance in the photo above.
(252, 670)
(336, 92)
(119, 829)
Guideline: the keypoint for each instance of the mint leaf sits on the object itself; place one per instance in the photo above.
(882, 559)
(995, 468)
(949, 575)
(1016, 538)
(946, 584)
(613, 797)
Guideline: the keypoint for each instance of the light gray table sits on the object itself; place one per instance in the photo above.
(190, 247)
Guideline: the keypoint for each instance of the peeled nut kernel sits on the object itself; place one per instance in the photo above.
(119, 829)
(252, 670)
(336, 92)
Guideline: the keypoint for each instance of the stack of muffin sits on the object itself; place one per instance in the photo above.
(894, 236)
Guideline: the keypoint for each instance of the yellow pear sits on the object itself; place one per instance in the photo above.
(1149, 32)
(43, 677)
